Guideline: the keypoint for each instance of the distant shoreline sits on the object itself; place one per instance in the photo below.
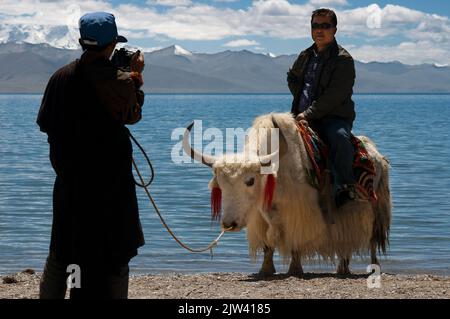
(245, 286)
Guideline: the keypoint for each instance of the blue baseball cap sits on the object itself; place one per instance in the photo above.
(99, 28)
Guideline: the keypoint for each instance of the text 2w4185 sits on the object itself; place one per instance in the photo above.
(231, 309)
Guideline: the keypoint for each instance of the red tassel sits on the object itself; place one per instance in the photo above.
(269, 190)
(216, 203)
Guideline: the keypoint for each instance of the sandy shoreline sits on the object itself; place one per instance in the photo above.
(242, 286)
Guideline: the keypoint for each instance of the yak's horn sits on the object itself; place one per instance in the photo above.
(205, 159)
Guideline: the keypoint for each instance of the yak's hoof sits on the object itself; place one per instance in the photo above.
(343, 272)
(295, 273)
(264, 273)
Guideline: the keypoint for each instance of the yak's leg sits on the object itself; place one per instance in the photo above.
(343, 268)
(267, 268)
(295, 268)
(373, 253)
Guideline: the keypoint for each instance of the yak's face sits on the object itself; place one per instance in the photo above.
(241, 193)
(238, 179)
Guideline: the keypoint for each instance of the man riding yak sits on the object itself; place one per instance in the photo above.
(290, 209)
(321, 82)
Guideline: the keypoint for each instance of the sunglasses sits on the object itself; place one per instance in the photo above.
(324, 26)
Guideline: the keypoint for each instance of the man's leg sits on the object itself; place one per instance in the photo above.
(93, 282)
(337, 134)
(102, 283)
(118, 283)
(53, 282)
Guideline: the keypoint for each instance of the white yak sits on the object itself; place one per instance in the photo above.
(298, 222)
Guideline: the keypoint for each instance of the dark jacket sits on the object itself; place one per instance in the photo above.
(95, 212)
(334, 89)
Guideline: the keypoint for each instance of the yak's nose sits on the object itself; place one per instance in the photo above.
(230, 226)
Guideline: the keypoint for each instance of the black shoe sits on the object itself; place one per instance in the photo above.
(345, 194)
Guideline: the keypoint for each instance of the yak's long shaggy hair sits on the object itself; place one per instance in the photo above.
(296, 222)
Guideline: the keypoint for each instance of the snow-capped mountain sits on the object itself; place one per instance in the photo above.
(181, 51)
(65, 37)
(438, 65)
(172, 50)
(136, 47)
(61, 37)
(26, 67)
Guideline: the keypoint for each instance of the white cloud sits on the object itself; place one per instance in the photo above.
(54, 22)
(240, 43)
(271, 18)
(170, 3)
(405, 52)
(329, 2)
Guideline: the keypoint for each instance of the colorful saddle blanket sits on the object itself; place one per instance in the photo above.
(317, 150)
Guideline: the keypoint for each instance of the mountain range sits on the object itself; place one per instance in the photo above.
(26, 68)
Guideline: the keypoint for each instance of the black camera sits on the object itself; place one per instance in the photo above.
(122, 59)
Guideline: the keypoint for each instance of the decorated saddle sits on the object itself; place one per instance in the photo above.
(317, 152)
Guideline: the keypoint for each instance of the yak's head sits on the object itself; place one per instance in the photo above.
(242, 183)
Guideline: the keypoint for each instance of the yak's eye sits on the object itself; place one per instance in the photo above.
(250, 181)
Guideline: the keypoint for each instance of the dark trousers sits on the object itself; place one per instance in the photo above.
(336, 133)
(105, 284)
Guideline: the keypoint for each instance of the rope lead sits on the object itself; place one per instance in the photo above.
(144, 185)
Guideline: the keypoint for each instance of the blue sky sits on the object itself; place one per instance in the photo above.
(412, 32)
(436, 6)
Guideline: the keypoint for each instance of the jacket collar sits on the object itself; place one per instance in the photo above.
(89, 57)
(332, 49)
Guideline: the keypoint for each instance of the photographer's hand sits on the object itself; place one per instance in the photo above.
(137, 62)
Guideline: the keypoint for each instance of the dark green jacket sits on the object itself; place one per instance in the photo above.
(334, 86)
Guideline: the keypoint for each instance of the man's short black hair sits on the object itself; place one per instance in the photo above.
(325, 13)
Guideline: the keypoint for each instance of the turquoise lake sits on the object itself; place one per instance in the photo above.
(411, 130)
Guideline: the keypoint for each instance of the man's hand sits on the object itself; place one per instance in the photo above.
(137, 62)
(302, 119)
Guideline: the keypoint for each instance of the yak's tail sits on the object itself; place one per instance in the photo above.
(382, 210)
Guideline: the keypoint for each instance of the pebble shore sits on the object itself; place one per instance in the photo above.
(242, 286)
